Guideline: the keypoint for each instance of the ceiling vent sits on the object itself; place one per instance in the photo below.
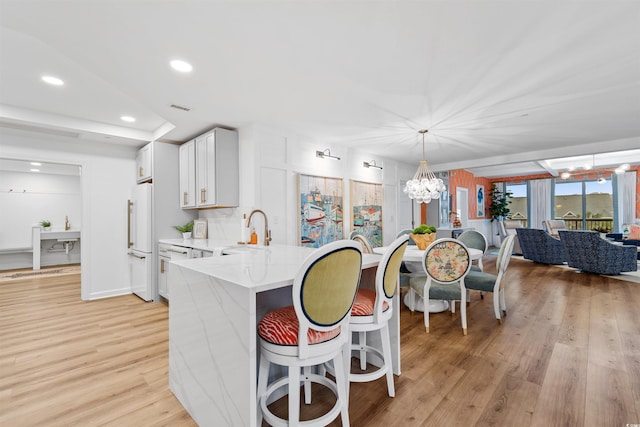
(180, 107)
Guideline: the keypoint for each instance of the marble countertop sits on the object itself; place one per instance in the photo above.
(259, 268)
(204, 244)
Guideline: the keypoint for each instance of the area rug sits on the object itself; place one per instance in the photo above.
(630, 276)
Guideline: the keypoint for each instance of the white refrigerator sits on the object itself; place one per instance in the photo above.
(140, 241)
(153, 212)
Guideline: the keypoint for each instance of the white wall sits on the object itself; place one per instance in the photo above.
(26, 198)
(108, 174)
(270, 160)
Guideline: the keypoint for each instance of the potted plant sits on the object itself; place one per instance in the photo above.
(45, 224)
(499, 207)
(185, 230)
(423, 235)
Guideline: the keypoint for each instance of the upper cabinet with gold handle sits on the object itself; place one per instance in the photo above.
(143, 164)
(209, 170)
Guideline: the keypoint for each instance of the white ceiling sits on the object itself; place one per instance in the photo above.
(497, 83)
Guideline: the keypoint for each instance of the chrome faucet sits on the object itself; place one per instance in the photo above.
(267, 232)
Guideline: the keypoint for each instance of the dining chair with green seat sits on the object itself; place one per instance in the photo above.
(446, 262)
(486, 282)
(371, 312)
(311, 332)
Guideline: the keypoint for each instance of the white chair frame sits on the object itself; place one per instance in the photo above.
(379, 320)
(306, 356)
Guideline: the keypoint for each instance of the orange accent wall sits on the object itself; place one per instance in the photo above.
(465, 179)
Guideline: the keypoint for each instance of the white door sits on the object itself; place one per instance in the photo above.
(406, 216)
(143, 164)
(462, 205)
(187, 156)
(140, 274)
(205, 169)
(140, 218)
(163, 273)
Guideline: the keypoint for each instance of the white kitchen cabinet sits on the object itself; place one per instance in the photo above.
(144, 170)
(167, 253)
(188, 174)
(164, 258)
(216, 170)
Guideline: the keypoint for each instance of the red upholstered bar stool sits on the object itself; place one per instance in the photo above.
(372, 311)
(313, 331)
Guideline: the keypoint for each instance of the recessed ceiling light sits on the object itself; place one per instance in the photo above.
(182, 66)
(35, 164)
(127, 119)
(34, 170)
(52, 80)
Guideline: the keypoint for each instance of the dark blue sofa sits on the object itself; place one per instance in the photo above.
(587, 251)
(538, 246)
(617, 237)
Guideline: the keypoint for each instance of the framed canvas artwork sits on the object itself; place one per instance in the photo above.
(199, 229)
(366, 210)
(480, 200)
(319, 210)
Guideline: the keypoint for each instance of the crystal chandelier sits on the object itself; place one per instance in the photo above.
(424, 186)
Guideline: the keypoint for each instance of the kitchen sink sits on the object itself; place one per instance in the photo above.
(243, 249)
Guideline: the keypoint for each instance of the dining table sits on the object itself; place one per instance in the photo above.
(412, 258)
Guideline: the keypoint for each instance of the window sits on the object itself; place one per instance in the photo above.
(585, 205)
(519, 205)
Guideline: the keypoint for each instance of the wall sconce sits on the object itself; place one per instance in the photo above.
(326, 154)
(371, 164)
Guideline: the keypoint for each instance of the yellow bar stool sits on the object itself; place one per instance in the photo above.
(372, 311)
(311, 332)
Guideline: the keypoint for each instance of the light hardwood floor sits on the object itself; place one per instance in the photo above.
(567, 354)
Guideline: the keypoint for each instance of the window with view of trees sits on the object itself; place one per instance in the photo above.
(585, 205)
(518, 206)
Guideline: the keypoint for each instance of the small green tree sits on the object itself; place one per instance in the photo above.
(499, 207)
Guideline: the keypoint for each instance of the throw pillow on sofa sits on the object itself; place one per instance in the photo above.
(634, 232)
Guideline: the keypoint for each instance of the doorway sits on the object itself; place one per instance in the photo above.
(462, 205)
(40, 192)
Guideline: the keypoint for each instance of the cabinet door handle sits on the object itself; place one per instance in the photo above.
(161, 266)
(185, 198)
(129, 206)
(179, 252)
(203, 197)
(140, 171)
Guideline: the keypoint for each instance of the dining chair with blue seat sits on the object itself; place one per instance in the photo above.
(477, 240)
(487, 282)
(311, 332)
(446, 262)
